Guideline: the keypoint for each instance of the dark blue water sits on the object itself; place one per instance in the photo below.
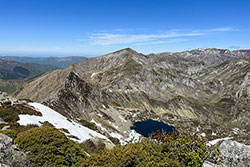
(146, 127)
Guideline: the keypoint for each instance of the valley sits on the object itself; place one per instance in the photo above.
(16, 71)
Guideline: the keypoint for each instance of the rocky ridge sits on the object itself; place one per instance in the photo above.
(199, 88)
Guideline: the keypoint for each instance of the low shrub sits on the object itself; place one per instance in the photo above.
(165, 150)
(47, 123)
(88, 124)
(91, 147)
(25, 109)
(21, 128)
(47, 146)
(7, 103)
(188, 149)
(145, 153)
(9, 114)
(114, 140)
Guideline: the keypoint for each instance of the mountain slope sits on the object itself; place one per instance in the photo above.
(60, 122)
(14, 70)
(118, 89)
(14, 75)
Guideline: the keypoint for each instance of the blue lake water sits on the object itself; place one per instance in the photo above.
(146, 127)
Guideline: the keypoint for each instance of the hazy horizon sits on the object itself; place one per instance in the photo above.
(40, 55)
(93, 28)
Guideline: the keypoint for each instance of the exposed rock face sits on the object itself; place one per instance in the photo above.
(96, 144)
(10, 155)
(194, 88)
(235, 154)
(4, 97)
(210, 164)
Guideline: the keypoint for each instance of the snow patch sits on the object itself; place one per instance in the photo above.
(116, 135)
(93, 75)
(133, 136)
(99, 125)
(203, 134)
(59, 121)
(213, 142)
(100, 115)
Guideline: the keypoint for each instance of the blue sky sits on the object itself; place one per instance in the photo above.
(95, 27)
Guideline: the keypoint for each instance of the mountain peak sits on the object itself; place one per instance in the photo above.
(128, 49)
(120, 53)
(125, 50)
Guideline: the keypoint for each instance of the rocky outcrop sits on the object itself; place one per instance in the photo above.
(10, 155)
(4, 97)
(96, 144)
(210, 164)
(235, 154)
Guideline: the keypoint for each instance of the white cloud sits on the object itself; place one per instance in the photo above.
(162, 42)
(105, 39)
(222, 29)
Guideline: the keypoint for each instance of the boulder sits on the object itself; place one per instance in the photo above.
(96, 144)
(10, 155)
(235, 154)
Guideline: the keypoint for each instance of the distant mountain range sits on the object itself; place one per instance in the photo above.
(16, 71)
(198, 91)
(60, 62)
(13, 75)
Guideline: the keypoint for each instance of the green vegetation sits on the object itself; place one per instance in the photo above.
(189, 150)
(10, 70)
(11, 133)
(47, 123)
(88, 124)
(167, 150)
(14, 75)
(7, 103)
(145, 153)
(7, 89)
(9, 113)
(92, 147)
(47, 146)
(21, 128)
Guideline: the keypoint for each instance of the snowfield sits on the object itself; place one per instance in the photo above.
(215, 141)
(59, 121)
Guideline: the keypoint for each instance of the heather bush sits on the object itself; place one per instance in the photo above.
(160, 150)
(145, 153)
(188, 149)
(47, 146)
